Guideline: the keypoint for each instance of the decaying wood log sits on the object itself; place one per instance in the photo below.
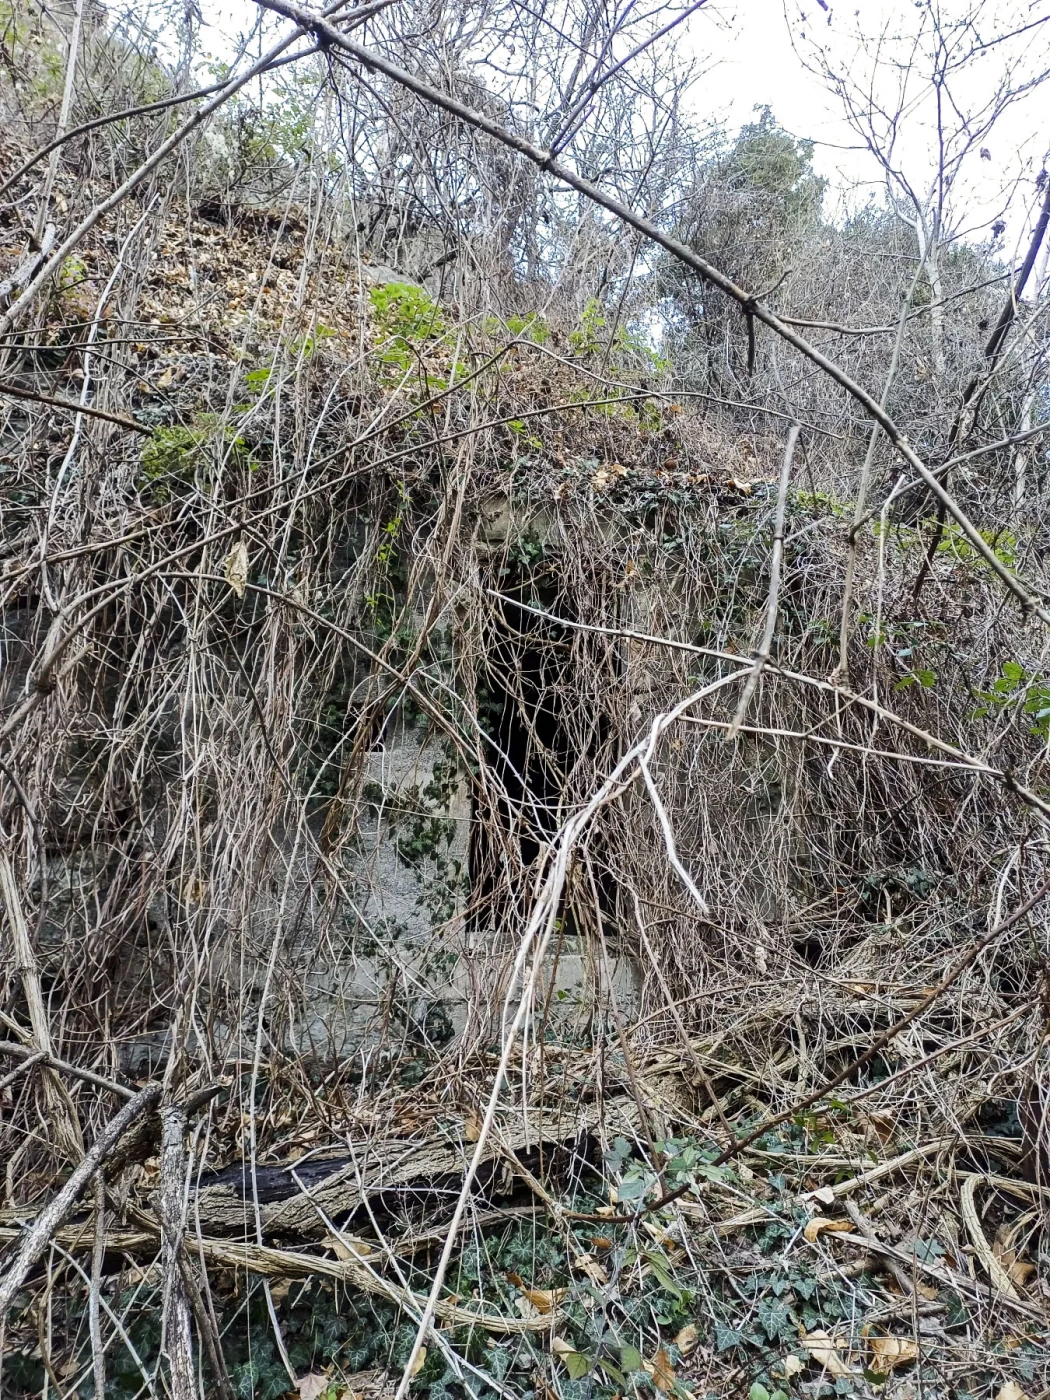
(362, 1273)
(409, 1170)
(395, 1171)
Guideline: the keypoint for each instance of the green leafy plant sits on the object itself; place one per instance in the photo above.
(1017, 686)
(759, 1392)
(816, 503)
(175, 455)
(529, 326)
(592, 337)
(954, 544)
(925, 678)
(409, 319)
(520, 429)
(305, 345)
(585, 339)
(258, 378)
(170, 451)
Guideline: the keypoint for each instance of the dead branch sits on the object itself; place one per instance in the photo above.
(15, 391)
(26, 1052)
(772, 602)
(35, 1237)
(178, 1334)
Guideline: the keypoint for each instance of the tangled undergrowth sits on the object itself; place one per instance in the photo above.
(310, 671)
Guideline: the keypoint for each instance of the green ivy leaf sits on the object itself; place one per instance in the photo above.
(630, 1358)
(577, 1364)
(663, 1276)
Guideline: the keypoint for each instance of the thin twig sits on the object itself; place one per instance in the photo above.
(98, 1250)
(765, 645)
(26, 1052)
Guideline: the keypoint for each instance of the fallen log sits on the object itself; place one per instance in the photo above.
(392, 1173)
(377, 1171)
(177, 1334)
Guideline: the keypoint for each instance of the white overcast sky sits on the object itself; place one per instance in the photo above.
(749, 59)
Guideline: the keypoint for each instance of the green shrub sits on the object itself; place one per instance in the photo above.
(170, 455)
(1017, 686)
(409, 318)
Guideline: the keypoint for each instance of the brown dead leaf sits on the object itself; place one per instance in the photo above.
(313, 1386)
(279, 1289)
(1010, 1390)
(824, 1351)
(587, 1264)
(660, 1235)
(883, 1124)
(544, 1300)
(1018, 1271)
(606, 475)
(821, 1225)
(662, 1372)
(347, 1248)
(687, 1339)
(193, 891)
(472, 1126)
(236, 568)
(420, 1362)
(889, 1352)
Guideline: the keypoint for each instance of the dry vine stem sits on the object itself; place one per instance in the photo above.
(883, 1038)
(66, 1126)
(765, 646)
